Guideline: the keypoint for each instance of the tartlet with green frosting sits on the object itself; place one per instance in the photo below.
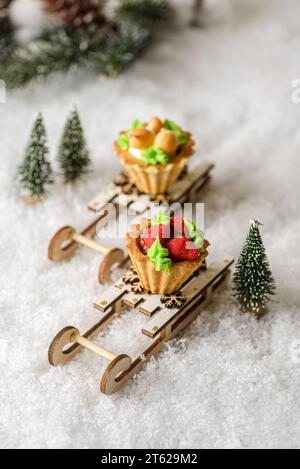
(165, 252)
(154, 153)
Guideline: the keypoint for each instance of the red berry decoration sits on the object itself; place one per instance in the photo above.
(182, 249)
(150, 234)
(178, 227)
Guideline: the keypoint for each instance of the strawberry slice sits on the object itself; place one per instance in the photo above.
(150, 234)
(178, 227)
(182, 249)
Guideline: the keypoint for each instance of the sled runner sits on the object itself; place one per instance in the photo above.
(168, 315)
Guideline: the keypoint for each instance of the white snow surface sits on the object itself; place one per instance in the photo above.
(228, 380)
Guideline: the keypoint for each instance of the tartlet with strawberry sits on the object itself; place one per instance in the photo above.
(166, 251)
(154, 153)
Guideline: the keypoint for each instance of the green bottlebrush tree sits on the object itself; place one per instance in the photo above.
(35, 172)
(73, 155)
(253, 283)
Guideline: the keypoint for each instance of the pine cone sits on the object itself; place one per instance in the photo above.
(78, 14)
(5, 24)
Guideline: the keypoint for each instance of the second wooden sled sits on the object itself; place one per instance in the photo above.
(168, 315)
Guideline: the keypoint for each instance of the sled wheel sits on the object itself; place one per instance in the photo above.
(57, 353)
(109, 382)
(62, 246)
(113, 257)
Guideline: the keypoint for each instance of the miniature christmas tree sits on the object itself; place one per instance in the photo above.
(73, 155)
(253, 283)
(35, 171)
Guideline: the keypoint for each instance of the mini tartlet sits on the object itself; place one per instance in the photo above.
(163, 258)
(154, 154)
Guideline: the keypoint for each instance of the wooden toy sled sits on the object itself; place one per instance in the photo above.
(168, 314)
(122, 194)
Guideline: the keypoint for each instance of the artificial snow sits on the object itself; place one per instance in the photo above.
(228, 380)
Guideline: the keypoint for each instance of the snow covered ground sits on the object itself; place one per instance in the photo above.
(229, 381)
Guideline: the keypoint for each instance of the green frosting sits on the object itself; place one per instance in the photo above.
(161, 218)
(197, 236)
(123, 141)
(159, 255)
(136, 124)
(154, 155)
(170, 125)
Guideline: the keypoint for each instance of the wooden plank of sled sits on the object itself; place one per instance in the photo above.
(178, 189)
(110, 297)
(99, 222)
(140, 205)
(133, 299)
(195, 307)
(191, 291)
(104, 197)
(182, 186)
(159, 322)
(151, 305)
(200, 171)
(124, 200)
(206, 278)
(199, 185)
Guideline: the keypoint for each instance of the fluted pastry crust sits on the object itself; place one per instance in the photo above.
(160, 282)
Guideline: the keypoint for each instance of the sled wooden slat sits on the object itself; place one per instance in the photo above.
(178, 190)
(207, 277)
(104, 197)
(192, 290)
(132, 299)
(159, 321)
(199, 171)
(140, 205)
(110, 297)
(151, 305)
(124, 200)
(183, 186)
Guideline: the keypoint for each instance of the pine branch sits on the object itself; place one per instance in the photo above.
(108, 53)
(55, 50)
(7, 47)
(145, 12)
(122, 47)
